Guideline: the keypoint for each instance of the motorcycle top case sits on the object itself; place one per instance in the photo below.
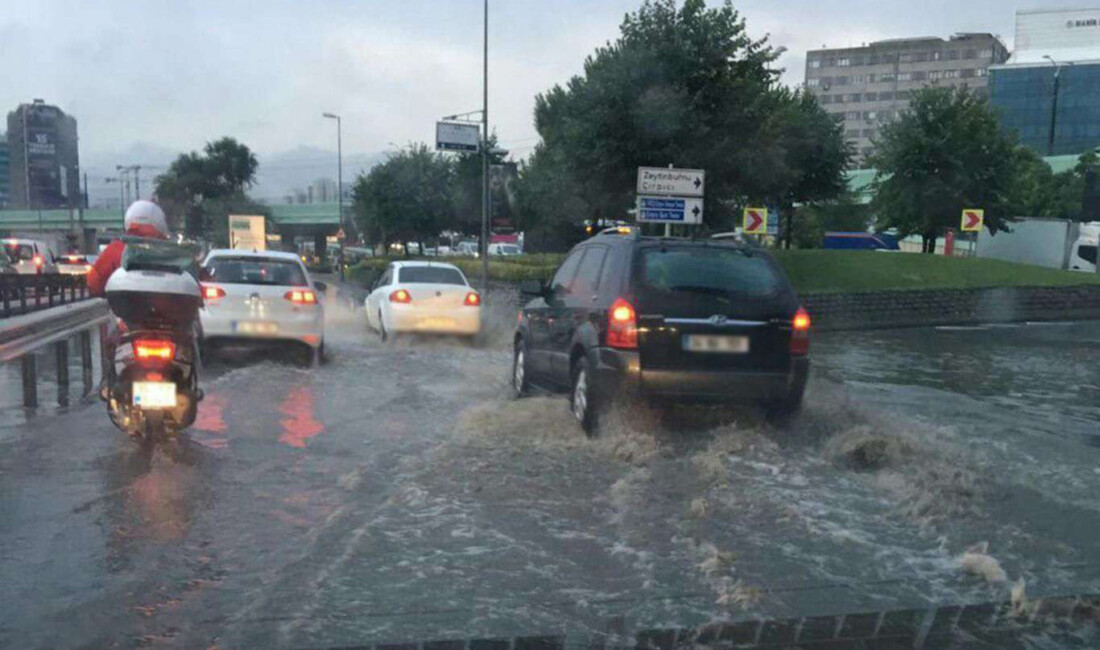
(153, 298)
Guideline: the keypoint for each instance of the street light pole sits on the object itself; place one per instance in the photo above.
(485, 157)
(339, 179)
(1054, 102)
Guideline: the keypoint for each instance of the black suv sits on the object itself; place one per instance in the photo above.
(678, 319)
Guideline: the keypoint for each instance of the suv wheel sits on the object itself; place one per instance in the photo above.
(521, 385)
(582, 399)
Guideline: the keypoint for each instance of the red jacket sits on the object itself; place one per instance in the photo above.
(107, 263)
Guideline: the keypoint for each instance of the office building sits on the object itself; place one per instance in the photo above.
(1048, 91)
(44, 167)
(869, 85)
(5, 165)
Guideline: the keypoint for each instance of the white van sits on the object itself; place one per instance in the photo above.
(30, 256)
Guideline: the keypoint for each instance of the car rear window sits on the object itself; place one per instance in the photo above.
(17, 252)
(430, 275)
(708, 270)
(254, 270)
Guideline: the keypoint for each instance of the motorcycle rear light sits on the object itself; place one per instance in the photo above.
(212, 293)
(800, 333)
(622, 326)
(473, 299)
(150, 350)
(154, 376)
(401, 296)
(301, 297)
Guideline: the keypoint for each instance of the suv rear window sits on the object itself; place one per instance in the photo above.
(708, 270)
(254, 270)
(430, 275)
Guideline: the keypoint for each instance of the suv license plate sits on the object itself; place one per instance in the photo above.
(154, 394)
(718, 344)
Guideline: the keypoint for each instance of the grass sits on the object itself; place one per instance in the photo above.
(826, 271)
(812, 271)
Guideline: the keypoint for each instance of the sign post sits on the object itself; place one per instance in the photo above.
(972, 221)
(755, 221)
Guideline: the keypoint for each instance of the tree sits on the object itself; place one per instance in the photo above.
(843, 214)
(946, 152)
(405, 199)
(466, 187)
(550, 200)
(684, 86)
(223, 172)
(1064, 195)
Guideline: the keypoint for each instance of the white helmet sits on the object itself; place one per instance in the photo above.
(145, 219)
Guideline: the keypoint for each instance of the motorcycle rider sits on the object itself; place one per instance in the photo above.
(143, 219)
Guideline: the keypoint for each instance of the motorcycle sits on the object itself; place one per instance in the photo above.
(153, 387)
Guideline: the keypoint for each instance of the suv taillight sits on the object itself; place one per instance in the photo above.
(622, 326)
(800, 333)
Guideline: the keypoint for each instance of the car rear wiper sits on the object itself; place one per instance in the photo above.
(712, 291)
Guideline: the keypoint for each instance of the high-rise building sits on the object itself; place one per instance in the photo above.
(45, 165)
(5, 166)
(1048, 92)
(868, 85)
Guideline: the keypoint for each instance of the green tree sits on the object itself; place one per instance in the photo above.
(844, 214)
(220, 176)
(405, 199)
(1063, 194)
(946, 152)
(550, 201)
(466, 187)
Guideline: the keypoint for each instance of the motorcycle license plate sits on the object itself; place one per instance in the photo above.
(154, 394)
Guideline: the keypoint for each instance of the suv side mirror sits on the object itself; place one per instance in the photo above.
(533, 288)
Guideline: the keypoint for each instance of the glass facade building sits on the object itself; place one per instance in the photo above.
(1024, 98)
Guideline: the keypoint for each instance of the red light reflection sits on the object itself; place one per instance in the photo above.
(299, 425)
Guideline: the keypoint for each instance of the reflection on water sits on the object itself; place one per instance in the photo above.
(210, 429)
(299, 425)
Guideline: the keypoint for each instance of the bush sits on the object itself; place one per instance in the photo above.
(509, 269)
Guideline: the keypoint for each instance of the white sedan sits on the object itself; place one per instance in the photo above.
(428, 297)
(266, 295)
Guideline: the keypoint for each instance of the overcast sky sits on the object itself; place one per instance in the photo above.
(175, 74)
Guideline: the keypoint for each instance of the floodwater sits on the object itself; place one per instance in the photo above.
(397, 493)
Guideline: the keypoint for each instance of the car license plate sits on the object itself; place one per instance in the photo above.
(154, 394)
(252, 327)
(437, 323)
(719, 344)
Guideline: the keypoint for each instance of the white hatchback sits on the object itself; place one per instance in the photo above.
(265, 295)
(424, 297)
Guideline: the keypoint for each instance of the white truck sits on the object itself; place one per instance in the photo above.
(1054, 243)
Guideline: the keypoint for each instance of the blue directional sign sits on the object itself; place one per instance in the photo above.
(669, 209)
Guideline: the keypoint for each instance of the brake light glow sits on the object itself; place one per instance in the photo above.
(472, 299)
(401, 296)
(148, 350)
(622, 326)
(301, 297)
(800, 333)
(38, 261)
(212, 293)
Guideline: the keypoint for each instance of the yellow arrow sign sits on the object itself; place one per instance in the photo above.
(972, 220)
(756, 221)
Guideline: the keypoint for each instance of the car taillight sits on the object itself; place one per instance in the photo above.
(212, 293)
(38, 261)
(622, 326)
(472, 299)
(301, 297)
(401, 296)
(800, 332)
(87, 268)
(149, 350)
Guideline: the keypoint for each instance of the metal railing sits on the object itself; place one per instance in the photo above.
(21, 337)
(23, 294)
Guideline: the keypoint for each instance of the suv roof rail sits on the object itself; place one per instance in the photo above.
(619, 231)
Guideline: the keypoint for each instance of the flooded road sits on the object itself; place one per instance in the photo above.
(397, 494)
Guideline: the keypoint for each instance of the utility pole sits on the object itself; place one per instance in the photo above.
(137, 182)
(485, 157)
(339, 184)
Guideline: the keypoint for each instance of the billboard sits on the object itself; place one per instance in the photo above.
(451, 136)
(247, 232)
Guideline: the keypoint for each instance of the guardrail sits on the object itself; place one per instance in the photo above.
(23, 294)
(22, 336)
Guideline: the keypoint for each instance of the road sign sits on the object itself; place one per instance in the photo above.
(773, 222)
(671, 182)
(247, 232)
(669, 209)
(756, 221)
(972, 220)
(450, 136)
